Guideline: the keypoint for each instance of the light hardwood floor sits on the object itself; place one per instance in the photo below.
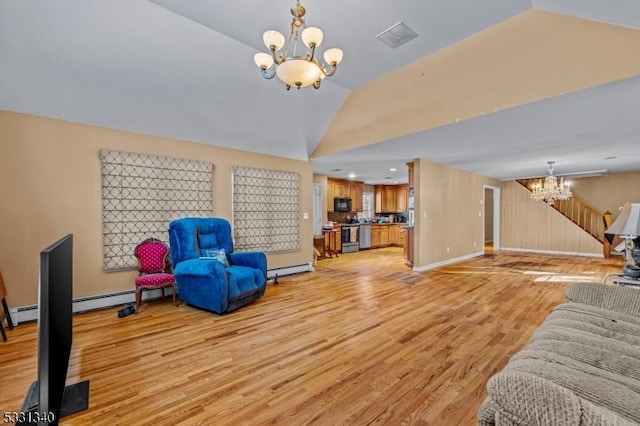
(363, 340)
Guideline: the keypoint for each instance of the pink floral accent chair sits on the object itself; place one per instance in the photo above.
(152, 257)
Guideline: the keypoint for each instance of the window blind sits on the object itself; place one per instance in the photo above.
(141, 194)
(265, 209)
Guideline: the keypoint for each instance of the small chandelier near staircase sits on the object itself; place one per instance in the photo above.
(550, 189)
(297, 69)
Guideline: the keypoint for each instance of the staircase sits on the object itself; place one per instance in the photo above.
(583, 215)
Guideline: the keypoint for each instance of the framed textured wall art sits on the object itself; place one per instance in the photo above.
(141, 194)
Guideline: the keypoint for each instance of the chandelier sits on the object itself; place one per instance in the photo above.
(549, 189)
(294, 69)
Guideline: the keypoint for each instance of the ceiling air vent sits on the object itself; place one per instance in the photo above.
(397, 35)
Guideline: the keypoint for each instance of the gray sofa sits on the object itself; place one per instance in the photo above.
(581, 366)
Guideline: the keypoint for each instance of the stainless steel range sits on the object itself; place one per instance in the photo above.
(349, 237)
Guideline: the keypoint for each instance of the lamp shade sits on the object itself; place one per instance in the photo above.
(312, 36)
(628, 222)
(263, 60)
(298, 72)
(273, 38)
(333, 56)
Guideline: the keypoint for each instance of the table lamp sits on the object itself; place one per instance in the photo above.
(627, 225)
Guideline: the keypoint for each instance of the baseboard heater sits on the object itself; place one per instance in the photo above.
(288, 270)
(103, 301)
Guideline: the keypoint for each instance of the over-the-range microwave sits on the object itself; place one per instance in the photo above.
(341, 204)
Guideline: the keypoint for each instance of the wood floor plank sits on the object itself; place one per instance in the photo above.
(362, 340)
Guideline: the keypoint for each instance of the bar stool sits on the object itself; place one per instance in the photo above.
(330, 242)
(3, 295)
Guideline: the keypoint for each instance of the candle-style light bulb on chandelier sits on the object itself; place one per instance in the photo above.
(293, 69)
(550, 189)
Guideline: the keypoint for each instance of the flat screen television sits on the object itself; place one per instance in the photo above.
(48, 398)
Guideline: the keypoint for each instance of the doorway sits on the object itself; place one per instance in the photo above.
(317, 209)
(491, 219)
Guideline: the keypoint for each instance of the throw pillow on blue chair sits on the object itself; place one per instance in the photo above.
(200, 247)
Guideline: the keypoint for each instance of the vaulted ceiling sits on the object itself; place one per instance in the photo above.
(497, 87)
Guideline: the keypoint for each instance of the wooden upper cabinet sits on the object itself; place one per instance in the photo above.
(378, 198)
(356, 197)
(345, 189)
(403, 198)
(330, 195)
(391, 198)
(390, 202)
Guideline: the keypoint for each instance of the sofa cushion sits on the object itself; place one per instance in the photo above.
(218, 255)
(206, 242)
(200, 268)
(520, 398)
(610, 391)
(581, 366)
(597, 311)
(241, 282)
(154, 280)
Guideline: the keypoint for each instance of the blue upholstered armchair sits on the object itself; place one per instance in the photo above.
(209, 283)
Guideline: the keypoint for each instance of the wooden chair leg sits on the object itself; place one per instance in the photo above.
(174, 295)
(6, 311)
(9, 321)
(138, 297)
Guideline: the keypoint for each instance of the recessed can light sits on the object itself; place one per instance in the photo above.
(393, 169)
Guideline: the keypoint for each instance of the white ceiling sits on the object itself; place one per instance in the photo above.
(184, 69)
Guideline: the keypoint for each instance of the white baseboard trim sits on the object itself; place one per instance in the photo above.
(90, 303)
(446, 262)
(30, 313)
(289, 270)
(566, 253)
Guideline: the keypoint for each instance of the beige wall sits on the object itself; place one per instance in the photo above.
(51, 185)
(449, 219)
(609, 192)
(531, 225)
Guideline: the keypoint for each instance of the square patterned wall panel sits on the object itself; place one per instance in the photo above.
(266, 209)
(141, 194)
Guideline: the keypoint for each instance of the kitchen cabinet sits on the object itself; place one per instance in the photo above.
(356, 198)
(379, 236)
(330, 195)
(391, 198)
(402, 199)
(375, 236)
(390, 201)
(394, 234)
(377, 193)
(342, 190)
(384, 235)
(345, 189)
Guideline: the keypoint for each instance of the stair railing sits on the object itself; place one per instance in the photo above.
(579, 212)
